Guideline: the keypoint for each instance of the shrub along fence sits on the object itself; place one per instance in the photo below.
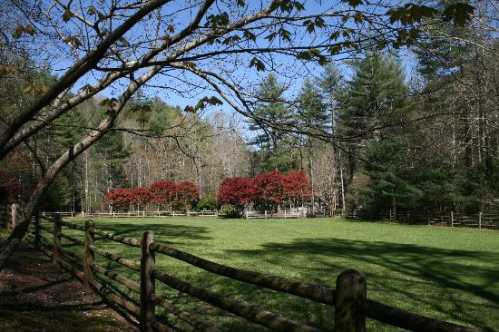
(349, 298)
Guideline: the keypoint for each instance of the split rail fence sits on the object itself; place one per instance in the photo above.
(349, 304)
(480, 220)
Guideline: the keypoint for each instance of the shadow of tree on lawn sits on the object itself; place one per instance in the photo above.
(457, 284)
(164, 232)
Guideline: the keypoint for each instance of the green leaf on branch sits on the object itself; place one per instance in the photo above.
(258, 64)
(217, 21)
(310, 25)
(248, 35)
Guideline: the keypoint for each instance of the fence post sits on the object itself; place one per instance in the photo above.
(56, 253)
(147, 284)
(350, 302)
(89, 254)
(452, 219)
(37, 230)
(480, 220)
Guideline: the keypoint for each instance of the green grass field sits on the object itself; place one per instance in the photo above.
(449, 274)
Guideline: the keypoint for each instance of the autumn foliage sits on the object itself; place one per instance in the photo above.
(237, 191)
(162, 193)
(267, 189)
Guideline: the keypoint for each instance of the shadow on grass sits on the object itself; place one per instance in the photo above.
(453, 283)
(164, 232)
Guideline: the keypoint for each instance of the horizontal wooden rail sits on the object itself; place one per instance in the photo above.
(185, 316)
(133, 265)
(118, 238)
(315, 292)
(237, 307)
(72, 239)
(128, 283)
(409, 321)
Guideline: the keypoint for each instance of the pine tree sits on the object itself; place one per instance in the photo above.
(311, 113)
(270, 114)
(372, 105)
(375, 96)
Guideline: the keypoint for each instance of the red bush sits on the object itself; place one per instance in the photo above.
(186, 192)
(163, 192)
(266, 190)
(120, 198)
(296, 185)
(237, 191)
(141, 195)
(270, 187)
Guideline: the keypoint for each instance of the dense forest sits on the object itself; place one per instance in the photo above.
(386, 130)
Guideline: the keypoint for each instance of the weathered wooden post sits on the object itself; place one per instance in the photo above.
(452, 219)
(56, 251)
(37, 230)
(480, 220)
(89, 253)
(147, 284)
(350, 302)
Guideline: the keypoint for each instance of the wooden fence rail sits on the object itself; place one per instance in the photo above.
(349, 298)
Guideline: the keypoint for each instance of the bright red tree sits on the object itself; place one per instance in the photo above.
(119, 198)
(296, 185)
(186, 193)
(237, 191)
(141, 196)
(163, 191)
(270, 189)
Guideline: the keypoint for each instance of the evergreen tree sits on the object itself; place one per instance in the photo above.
(311, 111)
(270, 115)
(331, 87)
(372, 105)
(390, 183)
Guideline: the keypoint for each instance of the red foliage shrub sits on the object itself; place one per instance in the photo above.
(163, 192)
(141, 195)
(237, 191)
(296, 185)
(270, 187)
(186, 192)
(120, 198)
(266, 190)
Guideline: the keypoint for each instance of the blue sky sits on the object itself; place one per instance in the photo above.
(290, 72)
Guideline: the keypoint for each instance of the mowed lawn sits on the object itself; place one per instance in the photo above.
(444, 273)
